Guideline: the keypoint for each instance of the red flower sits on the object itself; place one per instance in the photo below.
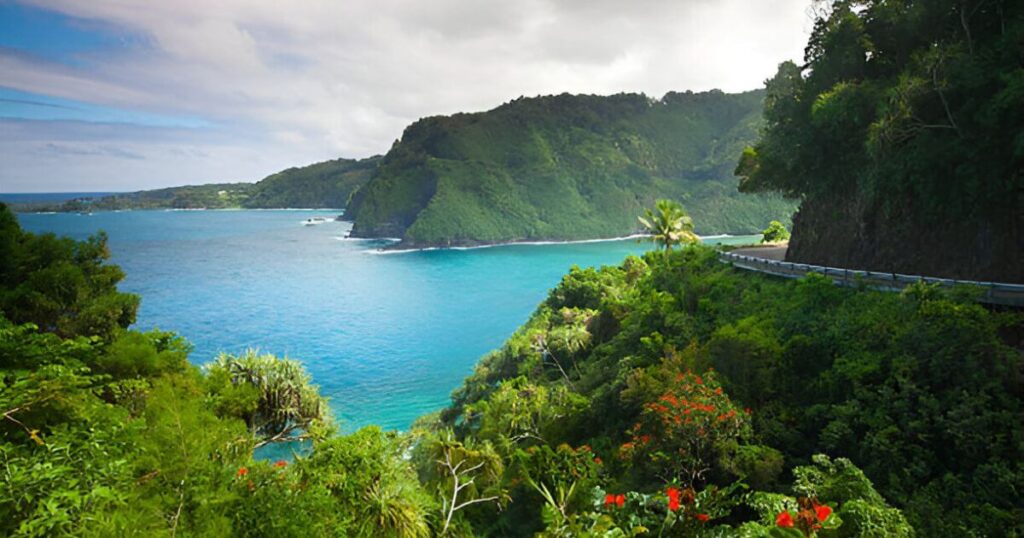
(673, 498)
(784, 519)
(609, 500)
(241, 472)
(598, 460)
(702, 517)
(280, 463)
(620, 500)
(822, 512)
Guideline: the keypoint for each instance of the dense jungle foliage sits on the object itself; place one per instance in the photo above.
(566, 167)
(671, 395)
(903, 134)
(921, 390)
(322, 185)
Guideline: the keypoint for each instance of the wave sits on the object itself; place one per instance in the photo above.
(507, 244)
(365, 239)
(522, 243)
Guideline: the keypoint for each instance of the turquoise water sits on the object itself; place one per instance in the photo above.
(386, 336)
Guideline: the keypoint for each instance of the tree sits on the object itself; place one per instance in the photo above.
(902, 117)
(464, 473)
(668, 224)
(61, 285)
(775, 232)
(273, 396)
(679, 433)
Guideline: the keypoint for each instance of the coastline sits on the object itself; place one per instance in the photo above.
(399, 250)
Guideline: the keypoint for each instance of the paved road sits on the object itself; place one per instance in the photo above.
(768, 253)
(768, 260)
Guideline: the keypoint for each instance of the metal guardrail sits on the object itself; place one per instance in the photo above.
(993, 292)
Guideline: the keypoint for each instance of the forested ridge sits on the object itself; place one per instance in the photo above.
(566, 167)
(326, 184)
(901, 133)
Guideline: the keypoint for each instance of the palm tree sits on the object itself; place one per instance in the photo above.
(668, 224)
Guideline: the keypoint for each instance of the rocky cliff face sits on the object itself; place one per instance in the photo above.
(844, 231)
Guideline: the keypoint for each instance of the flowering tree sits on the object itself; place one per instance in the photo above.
(678, 431)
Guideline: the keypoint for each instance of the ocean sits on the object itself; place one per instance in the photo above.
(386, 336)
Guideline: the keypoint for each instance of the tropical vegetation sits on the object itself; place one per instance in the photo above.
(668, 224)
(901, 135)
(671, 395)
(775, 232)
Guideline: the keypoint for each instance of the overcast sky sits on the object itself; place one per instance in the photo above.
(113, 95)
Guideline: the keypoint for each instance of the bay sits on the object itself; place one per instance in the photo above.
(386, 336)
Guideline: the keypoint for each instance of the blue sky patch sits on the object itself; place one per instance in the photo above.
(21, 105)
(58, 37)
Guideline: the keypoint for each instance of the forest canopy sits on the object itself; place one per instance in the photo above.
(902, 133)
(672, 394)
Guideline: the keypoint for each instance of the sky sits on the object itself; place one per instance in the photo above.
(121, 95)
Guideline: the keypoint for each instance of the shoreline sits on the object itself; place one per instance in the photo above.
(385, 251)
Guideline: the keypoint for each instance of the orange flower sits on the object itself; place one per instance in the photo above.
(609, 500)
(241, 472)
(702, 517)
(784, 519)
(598, 460)
(620, 500)
(822, 512)
(280, 463)
(673, 498)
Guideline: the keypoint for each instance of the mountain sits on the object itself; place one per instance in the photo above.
(326, 184)
(566, 167)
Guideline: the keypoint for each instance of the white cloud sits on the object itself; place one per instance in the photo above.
(319, 79)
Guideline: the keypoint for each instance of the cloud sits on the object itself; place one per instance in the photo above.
(92, 150)
(319, 79)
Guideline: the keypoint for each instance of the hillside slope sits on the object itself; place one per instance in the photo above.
(326, 184)
(901, 133)
(920, 389)
(565, 167)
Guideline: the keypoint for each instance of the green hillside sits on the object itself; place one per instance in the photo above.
(901, 132)
(326, 184)
(566, 167)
